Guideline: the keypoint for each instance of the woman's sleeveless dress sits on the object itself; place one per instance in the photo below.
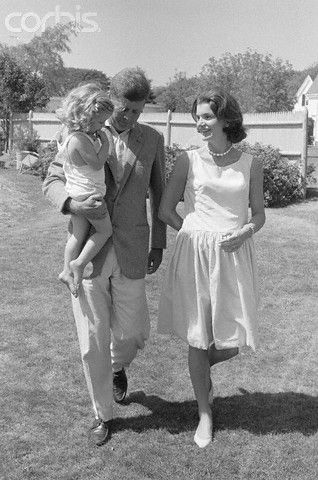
(208, 294)
(82, 181)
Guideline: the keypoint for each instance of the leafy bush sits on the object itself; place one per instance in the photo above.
(46, 156)
(310, 131)
(171, 155)
(283, 183)
(9, 158)
(26, 139)
(311, 174)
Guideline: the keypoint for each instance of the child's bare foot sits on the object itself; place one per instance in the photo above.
(77, 270)
(67, 278)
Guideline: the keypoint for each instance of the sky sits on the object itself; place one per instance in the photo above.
(168, 36)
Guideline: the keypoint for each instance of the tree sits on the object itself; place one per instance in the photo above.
(157, 91)
(43, 54)
(259, 82)
(151, 97)
(12, 79)
(179, 93)
(299, 76)
(72, 77)
(35, 93)
(20, 90)
(312, 71)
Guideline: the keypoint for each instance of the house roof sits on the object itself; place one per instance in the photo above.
(305, 86)
(314, 87)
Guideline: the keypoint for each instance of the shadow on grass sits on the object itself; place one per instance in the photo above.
(258, 413)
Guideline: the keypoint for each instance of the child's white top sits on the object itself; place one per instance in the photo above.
(83, 181)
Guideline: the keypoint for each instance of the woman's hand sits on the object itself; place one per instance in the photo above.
(232, 241)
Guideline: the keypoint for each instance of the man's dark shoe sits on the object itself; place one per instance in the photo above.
(119, 386)
(100, 431)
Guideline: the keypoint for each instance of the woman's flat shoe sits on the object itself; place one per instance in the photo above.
(202, 442)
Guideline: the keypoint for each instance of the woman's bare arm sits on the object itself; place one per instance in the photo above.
(173, 193)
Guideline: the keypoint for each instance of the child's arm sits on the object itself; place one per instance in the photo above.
(104, 150)
(82, 152)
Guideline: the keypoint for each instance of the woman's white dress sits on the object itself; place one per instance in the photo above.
(209, 294)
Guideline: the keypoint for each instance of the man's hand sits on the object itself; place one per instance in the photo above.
(154, 260)
(93, 207)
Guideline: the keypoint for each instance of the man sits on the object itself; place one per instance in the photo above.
(113, 299)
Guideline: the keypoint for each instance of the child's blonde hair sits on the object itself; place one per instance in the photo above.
(80, 104)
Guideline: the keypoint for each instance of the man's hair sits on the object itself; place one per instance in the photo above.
(130, 83)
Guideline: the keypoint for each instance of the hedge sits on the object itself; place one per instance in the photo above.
(283, 182)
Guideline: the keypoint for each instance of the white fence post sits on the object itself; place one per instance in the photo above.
(10, 139)
(30, 121)
(305, 149)
(168, 128)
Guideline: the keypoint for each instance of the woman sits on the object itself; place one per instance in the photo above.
(209, 297)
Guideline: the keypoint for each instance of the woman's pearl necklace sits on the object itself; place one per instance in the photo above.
(220, 154)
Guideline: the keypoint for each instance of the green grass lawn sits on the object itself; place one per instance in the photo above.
(266, 407)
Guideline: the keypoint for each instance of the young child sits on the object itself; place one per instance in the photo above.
(85, 149)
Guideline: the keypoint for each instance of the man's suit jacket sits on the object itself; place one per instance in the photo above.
(144, 171)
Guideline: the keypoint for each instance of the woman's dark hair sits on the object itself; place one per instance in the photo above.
(225, 107)
(130, 83)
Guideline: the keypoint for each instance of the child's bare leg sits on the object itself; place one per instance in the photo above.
(200, 377)
(73, 246)
(91, 248)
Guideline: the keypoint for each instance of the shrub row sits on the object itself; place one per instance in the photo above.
(283, 182)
